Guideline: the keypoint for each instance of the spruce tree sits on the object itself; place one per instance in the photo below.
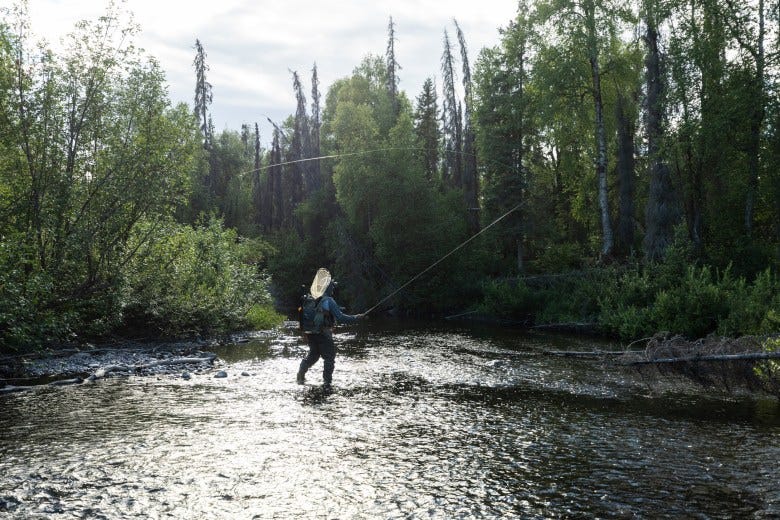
(451, 175)
(316, 123)
(203, 95)
(470, 179)
(426, 124)
(392, 68)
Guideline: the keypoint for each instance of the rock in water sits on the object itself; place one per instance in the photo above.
(186, 375)
(221, 373)
(245, 374)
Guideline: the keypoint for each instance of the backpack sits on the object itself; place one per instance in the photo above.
(311, 317)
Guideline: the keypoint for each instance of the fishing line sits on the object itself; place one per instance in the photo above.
(333, 156)
(391, 149)
(440, 260)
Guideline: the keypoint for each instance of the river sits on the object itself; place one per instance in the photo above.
(424, 421)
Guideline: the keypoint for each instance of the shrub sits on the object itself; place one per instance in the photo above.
(29, 316)
(509, 300)
(751, 306)
(557, 258)
(192, 279)
(693, 308)
(263, 317)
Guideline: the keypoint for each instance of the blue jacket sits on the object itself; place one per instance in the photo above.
(328, 304)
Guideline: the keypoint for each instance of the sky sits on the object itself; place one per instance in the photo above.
(252, 45)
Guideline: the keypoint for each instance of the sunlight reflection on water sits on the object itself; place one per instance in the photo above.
(452, 423)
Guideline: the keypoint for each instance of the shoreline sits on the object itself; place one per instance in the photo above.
(89, 362)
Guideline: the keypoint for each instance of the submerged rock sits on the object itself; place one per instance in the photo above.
(221, 373)
(186, 375)
(245, 374)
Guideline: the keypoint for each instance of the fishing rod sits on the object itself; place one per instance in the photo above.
(440, 260)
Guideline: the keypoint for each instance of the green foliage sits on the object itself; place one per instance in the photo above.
(769, 371)
(26, 320)
(694, 307)
(638, 301)
(192, 279)
(517, 301)
(557, 258)
(95, 165)
(263, 317)
(754, 308)
(291, 268)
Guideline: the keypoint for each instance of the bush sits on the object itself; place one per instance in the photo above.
(752, 306)
(694, 308)
(263, 317)
(29, 316)
(513, 301)
(558, 258)
(638, 301)
(193, 279)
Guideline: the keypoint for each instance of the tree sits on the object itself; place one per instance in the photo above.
(261, 199)
(383, 192)
(625, 172)
(452, 172)
(504, 124)
(426, 121)
(90, 148)
(392, 67)
(203, 95)
(748, 28)
(661, 214)
(470, 176)
(585, 28)
(301, 146)
(316, 123)
(277, 209)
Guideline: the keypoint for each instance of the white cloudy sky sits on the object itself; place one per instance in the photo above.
(252, 45)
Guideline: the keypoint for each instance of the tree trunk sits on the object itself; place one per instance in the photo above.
(601, 161)
(756, 124)
(625, 169)
(607, 239)
(661, 214)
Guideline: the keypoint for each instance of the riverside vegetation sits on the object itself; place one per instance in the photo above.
(646, 183)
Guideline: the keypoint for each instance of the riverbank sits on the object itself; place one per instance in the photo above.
(87, 363)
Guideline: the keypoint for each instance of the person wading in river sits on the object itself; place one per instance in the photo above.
(317, 323)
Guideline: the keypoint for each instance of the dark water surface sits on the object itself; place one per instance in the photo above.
(424, 422)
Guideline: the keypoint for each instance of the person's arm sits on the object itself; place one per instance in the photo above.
(330, 305)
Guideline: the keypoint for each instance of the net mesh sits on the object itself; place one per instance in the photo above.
(320, 283)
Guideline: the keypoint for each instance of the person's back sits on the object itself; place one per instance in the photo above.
(320, 338)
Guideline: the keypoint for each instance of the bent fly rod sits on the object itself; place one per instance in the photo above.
(440, 260)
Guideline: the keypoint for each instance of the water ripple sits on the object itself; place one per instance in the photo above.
(445, 424)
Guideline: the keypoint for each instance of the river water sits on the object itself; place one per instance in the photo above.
(424, 421)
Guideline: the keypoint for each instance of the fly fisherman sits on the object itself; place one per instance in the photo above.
(319, 313)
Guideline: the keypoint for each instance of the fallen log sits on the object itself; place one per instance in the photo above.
(63, 382)
(589, 354)
(577, 327)
(748, 356)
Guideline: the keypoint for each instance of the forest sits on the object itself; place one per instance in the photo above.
(619, 159)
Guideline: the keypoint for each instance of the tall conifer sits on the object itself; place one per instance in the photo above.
(392, 67)
(203, 95)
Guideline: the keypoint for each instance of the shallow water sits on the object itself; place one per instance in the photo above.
(423, 422)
